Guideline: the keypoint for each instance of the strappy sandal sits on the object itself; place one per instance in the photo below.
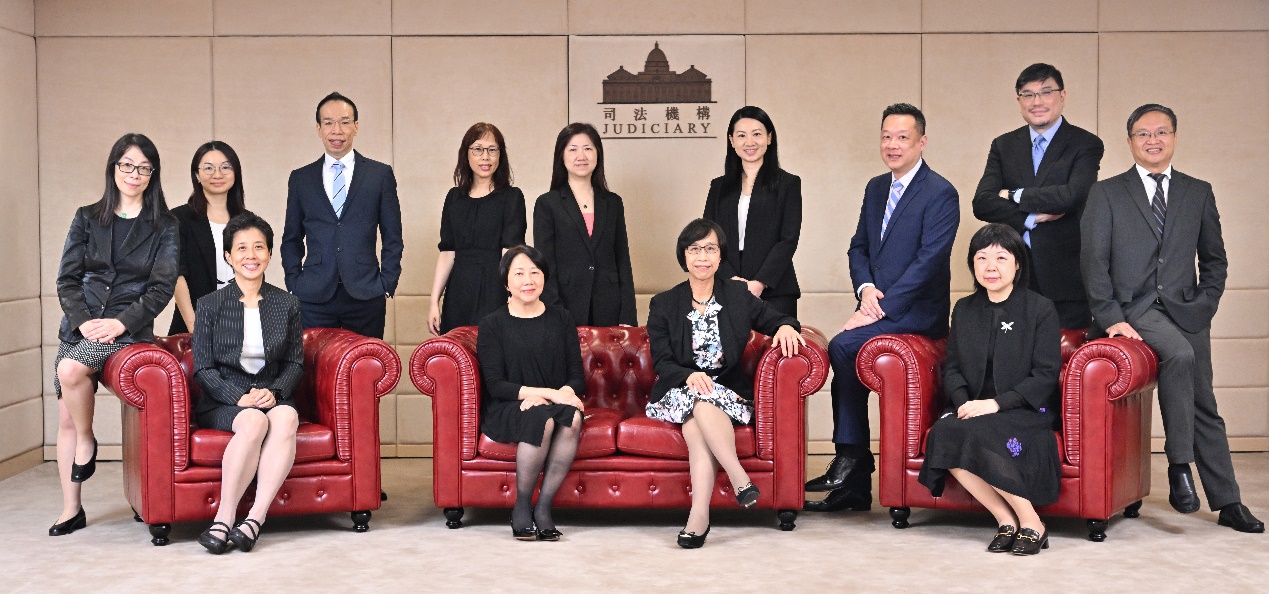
(211, 542)
(240, 538)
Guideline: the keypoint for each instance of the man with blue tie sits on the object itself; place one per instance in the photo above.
(900, 266)
(337, 209)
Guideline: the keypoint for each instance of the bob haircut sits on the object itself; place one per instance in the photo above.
(696, 231)
(235, 201)
(769, 174)
(1005, 237)
(464, 176)
(153, 203)
(504, 266)
(559, 173)
(243, 222)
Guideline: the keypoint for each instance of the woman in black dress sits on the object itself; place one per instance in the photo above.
(483, 216)
(248, 358)
(216, 198)
(759, 205)
(117, 272)
(1001, 380)
(580, 227)
(697, 332)
(531, 383)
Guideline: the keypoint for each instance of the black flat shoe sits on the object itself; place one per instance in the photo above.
(79, 521)
(1029, 542)
(842, 499)
(241, 539)
(689, 540)
(79, 473)
(1003, 542)
(1238, 517)
(1181, 492)
(215, 545)
(840, 469)
(747, 496)
(530, 533)
(550, 534)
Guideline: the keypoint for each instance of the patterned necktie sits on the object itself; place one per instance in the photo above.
(1157, 204)
(1037, 153)
(339, 189)
(895, 189)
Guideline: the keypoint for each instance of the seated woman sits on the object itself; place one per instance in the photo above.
(248, 358)
(1001, 380)
(531, 382)
(697, 332)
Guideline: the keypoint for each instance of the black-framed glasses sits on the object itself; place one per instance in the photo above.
(145, 170)
(696, 250)
(209, 169)
(478, 151)
(1044, 94)
(1143, 136)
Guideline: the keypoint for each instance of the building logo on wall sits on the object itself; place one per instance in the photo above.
(657, 102)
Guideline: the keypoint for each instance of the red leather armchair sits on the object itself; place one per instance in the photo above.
(171, 467)
(1104, 442)
(624, 459)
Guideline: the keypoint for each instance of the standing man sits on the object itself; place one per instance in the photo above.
(900, 265)
(1036, 181)
(1143, 230)
(336, 209)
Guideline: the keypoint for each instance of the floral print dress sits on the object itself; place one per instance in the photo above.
(707, 346)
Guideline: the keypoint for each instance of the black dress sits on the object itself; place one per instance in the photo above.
(1009, 351)
(477, 230)
(540, 352)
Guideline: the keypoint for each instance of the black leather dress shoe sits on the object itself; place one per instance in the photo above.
(1029, 542)
(82, 473)
(1003, 542)
(841, 468)
(62, 529)
(1181, 492)
(1238, 517)
(840, 499)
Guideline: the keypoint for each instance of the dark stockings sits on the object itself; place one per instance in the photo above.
(559, 446)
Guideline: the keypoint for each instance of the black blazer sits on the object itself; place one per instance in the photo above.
(218, 346)
(91, 285)
(590, 276)
(1061, 185)
(319, 250)
(670, 334)
(197, 260)
(771, 232)
(1027, 357)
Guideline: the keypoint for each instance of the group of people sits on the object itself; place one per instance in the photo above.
(1060, 251)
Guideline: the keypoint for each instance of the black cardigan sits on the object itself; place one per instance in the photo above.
(586, 271)
(670, 334)
(772, 230)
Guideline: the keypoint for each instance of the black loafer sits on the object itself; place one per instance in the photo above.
(216, 545)
(1029, 542)
(690, 540)
(80, 473)
(842, 499)
(1003, 543)
(1181, 492)
(75, 523)
(747, 496)
(1238, 517)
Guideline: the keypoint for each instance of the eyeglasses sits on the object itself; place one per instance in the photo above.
(209, 169)
(1044, 94)
(145, 170)
(1143, 136)
(696, 250)
(478, 151)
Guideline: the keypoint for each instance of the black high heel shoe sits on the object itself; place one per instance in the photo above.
(62, 529)
(214, 545)
(690, 540)
(747, 496)
(240, 538)
(79, 473)
(1029, 542)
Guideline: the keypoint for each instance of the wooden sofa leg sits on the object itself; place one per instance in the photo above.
(899, 516)
(361, 521)
(1097, 530)
(1133, 510)
(787, 517)
(383, 495)
(160, 532)
(136, 517)
(453, 517)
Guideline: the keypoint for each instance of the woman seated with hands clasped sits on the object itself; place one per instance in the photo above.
(248, 358)
(1001, 380)
(697, 332)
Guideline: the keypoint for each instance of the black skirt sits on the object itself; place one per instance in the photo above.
(222, 417)
(1014, 451)
(504, 422)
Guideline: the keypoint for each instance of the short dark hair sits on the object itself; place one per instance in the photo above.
(334, 96)
(1005, 237)
(696, 231)
(905, 109)
(1147, 108)
(464, 177)
(559, 173)
(235, 202)
(246, 220)
(504, 266)
(1038, 72)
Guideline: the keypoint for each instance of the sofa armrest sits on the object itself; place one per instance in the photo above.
(150, 380)
(1102, 375)
(780, 387)
(347, 374)
(904, 371)
(446, 369)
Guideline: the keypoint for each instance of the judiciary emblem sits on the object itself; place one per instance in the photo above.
(657, 102)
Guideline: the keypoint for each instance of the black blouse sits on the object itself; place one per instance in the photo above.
(539, 352)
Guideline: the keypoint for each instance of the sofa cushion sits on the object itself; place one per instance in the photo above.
(599, 437)
(312, 442)
(642, 436)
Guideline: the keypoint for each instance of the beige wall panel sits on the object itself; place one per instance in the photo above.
(19, 195)
(411, 321)
(414, 419)
(1245, 410)
(302, 17)
(522, 88)
(120, 18)
(19, 428)
(21, 375)
(990, 16)
(826, 312)
(51, 319)
(405, 386)
(832, 16)
(388, 419)
(1183, 15)
(21, 321)
(1240, 363)
(493, 17)
(107, 419)
(18, 16)
(825, 94)
(1196, 81)
(591, 17)
(819, 416)
(1243, 314)
(978, 72)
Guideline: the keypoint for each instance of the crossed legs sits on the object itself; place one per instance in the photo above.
(711, 442)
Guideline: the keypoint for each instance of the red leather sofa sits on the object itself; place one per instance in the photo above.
(1104, 442)
(171, 468)
(625, 459)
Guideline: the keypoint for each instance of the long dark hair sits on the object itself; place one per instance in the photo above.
(464, 176)
(153, 203)
(559, 174)
(1005, 237)
(769, 174)
(235, 201)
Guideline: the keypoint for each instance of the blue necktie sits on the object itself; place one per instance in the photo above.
(1037, 153)
(339, 189)
(895, 189)
(1157, 205)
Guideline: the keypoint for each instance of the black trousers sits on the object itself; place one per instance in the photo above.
(365, 317)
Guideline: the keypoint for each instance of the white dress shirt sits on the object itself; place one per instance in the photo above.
(742, 218)
(328, 172)
(252, 358)
(1149, 182)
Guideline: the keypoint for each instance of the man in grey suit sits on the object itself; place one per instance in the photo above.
(1142, 232)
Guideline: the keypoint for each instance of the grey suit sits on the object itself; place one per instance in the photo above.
(1134, 275)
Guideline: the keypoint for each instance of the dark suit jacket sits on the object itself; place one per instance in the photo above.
(912, 266)
(670, 334)
(1026, 360)
(197, 260)
(342, 249)
(1061, 185)
(590, 276)
(218, 346)
(771, 233)
(91, 285)
(1127, 265)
